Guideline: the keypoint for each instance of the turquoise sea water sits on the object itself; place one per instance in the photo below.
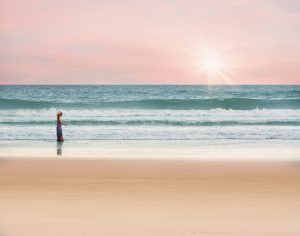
(151, 112)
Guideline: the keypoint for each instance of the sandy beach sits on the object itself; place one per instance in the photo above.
(148, 197)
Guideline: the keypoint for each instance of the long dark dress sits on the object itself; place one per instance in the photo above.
(59, 134)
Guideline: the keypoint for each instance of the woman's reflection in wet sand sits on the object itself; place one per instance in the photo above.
(59, 146)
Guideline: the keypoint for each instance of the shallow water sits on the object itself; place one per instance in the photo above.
(151, 112)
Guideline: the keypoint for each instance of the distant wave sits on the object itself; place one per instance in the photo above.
(207, 104)
(30, 104)
(172, 104)
(156, 122)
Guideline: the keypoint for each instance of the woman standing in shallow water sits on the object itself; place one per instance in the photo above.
(59, 123)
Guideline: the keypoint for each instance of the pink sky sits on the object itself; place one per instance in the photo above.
(148, 41)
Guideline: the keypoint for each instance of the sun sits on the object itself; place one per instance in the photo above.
(212, 64)
(217, 68)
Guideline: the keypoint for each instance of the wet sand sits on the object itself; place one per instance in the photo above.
(148, 197)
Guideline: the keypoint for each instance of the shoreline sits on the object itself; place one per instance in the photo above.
(265, 150)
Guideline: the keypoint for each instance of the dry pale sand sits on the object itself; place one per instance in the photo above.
(115, 197)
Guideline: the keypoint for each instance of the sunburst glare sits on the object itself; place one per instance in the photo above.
(216, 68)
(212, 64)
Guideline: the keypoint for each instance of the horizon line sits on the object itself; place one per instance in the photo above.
(150, 84)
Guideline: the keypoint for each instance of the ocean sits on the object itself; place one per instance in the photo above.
(151, 112)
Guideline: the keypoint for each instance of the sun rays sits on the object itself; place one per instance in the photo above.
(216, 67)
